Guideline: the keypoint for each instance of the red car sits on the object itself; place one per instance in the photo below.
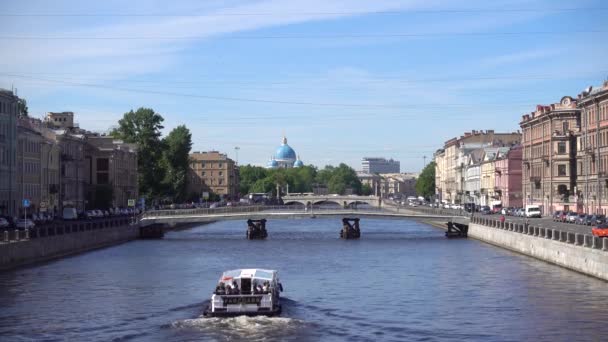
(600, 230)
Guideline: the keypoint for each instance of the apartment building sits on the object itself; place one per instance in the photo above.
(213, 172)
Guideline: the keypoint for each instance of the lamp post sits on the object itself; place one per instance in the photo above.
(236, 151)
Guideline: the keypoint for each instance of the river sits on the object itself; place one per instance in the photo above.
(402, 281)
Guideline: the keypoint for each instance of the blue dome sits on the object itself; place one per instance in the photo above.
(284, 152)
(298, 163)
(272, 164)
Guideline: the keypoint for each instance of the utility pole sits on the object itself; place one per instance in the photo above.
(236, 151)
(423, 162)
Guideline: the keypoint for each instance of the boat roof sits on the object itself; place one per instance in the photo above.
(256, 273)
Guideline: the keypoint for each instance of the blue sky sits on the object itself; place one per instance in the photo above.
(343, 79)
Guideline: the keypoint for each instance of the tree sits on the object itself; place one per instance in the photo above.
(176, 162)
(142, 127)
(248, 176)
(22, 107)
(366, 190)
(425, 184)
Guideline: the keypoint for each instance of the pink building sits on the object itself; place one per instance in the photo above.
(508, 178)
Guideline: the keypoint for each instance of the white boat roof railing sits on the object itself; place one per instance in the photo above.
(254, 273)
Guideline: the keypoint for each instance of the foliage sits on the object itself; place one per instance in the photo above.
(22, 107)
(366, 190)
(142, 127)
(425, 184)
(176, 162)
(301, 179)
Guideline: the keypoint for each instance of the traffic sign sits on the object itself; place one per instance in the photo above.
(26, 203)
(131, 203)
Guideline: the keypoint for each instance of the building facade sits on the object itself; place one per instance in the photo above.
(550, 135)
(452, 169)
(213, 172)
(508, 178)
(9, 199)
(110, 164)
(439, 159)
(592, 153)
(380, 165)
(29, 164)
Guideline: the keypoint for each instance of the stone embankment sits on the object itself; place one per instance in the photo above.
(23, 247)
(583, 253)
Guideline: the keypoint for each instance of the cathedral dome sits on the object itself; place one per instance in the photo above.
(285, 152)
(298, 163)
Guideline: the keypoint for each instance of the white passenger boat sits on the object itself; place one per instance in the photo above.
(249, 292)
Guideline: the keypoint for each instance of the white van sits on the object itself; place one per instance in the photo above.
(532, 211)
(70, 214)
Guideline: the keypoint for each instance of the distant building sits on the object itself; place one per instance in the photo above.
(9, 199)
(550, 135)
(508, 178)
(402, 184)
(213, 172)
(284, 158)
(29, 155)
(110, 162)
(370, 179)
(380, 165)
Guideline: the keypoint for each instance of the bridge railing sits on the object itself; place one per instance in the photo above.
(252, 209)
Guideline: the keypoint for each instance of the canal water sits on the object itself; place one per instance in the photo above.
(403, 281)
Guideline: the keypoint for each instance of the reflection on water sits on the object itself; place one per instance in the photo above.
(402, 281)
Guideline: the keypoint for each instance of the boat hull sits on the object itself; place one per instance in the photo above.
(269, 313)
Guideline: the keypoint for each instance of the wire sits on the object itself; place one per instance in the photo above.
(238, 99)
(329, 36)
(387, 12)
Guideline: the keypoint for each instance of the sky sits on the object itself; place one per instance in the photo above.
(341, 79)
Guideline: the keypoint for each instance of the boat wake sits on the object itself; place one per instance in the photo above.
(242, 327)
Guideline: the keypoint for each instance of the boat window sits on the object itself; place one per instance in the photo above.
(263, 274)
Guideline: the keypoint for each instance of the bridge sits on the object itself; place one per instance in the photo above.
(185, 216)
(345, 201)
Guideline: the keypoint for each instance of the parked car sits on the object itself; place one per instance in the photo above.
(571, 217)
(485, 210)
(4, 223)
(25, 224)
(593, 220)
(581, 219)
(532, 211)
(557, 216)
(600, 230)
(70, 214)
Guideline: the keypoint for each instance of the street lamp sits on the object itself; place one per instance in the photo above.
(236, 151)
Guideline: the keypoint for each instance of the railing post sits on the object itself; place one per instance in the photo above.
(27, 234)
(16, 234)
(6, 236)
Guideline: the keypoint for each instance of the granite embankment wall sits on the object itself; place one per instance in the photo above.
(47, 243)
(583, 253)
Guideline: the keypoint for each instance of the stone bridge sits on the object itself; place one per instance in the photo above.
(186, 216)
(345, 201)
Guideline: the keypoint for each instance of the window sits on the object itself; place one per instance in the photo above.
(565, 127)
(103, 164)
(561, 147)
(561, 170)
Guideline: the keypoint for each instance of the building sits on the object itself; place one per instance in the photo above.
(490, 197)
(110, 164)
(72, 143)
(400, 184)
(592, 153)
(508, 178)
(29, 164)
(9, 199)
(439, 158)
(213, 172)
(549, 141)
(453, 160)
(284, 158)
(380, 165)
(372, 180)
(472, 177)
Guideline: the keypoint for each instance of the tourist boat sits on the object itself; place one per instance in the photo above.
(249, 292)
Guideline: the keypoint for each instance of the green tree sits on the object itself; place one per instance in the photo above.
(341, 179)
(176, 162)
(143, 127)
(22, 107)
(366, 190)
(248, 176)
(425, 184)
